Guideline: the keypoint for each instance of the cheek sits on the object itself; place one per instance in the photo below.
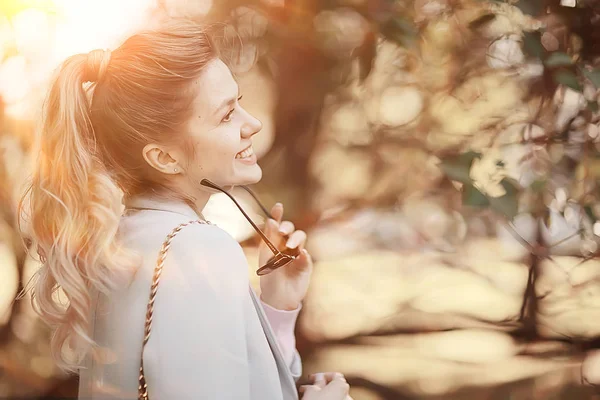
(226, 147)
(215, 153)
(227, 144)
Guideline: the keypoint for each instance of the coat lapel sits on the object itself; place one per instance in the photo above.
(288, 385)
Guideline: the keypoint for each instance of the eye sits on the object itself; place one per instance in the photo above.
(227, 117)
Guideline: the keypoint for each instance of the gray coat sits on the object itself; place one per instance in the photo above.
(210, 337)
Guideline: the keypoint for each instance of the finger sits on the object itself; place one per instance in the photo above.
(286, 228)
(277, 212)
(272, 233)
(302, 261)
(309, 389)
(303, 388)
(297, 239)
(327, 376)
(337, 388)
(271, 228)
(319, 380)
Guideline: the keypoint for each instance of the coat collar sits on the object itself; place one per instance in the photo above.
(150, 202)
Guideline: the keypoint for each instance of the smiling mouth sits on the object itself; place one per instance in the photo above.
(249, 152)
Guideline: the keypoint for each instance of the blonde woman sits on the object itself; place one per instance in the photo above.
(153, 120)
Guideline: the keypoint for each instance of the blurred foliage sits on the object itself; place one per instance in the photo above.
(441, 118)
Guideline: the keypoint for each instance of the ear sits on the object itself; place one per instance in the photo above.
(162, 159)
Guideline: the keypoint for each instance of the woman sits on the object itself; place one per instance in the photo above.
(161, 114)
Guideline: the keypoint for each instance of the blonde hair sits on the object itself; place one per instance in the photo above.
(101, 110)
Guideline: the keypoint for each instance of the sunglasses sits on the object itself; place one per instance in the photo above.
(280, 258)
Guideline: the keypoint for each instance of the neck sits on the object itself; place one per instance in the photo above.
(198, 202)
(200, 199)
(203, 197)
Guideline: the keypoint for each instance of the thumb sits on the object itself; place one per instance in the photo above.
(338, 388)
(303, 261)
(320, 380)
(309, 391)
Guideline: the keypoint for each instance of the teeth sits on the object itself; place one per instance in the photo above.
(246, 153)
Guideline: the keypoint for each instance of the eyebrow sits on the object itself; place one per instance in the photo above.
(227, 102)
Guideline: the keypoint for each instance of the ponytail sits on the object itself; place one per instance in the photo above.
(73, 212)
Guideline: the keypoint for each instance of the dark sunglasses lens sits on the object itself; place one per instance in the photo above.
(274, 263)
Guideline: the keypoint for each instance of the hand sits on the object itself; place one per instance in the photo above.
(327, 386)
(285, 288)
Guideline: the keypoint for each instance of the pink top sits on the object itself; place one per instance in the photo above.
(283, 323)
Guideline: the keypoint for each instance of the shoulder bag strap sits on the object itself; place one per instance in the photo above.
(143, 387)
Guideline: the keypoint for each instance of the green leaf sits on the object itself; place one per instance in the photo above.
(593, 106)
(366, 56)
(558, 59)
(568, 78)
(593, 76)
(510, 185)
(590, 213)
(530, 7)
(458, 168)
(532, 45)
(471, 196)
(399, 30)
(479, 22)
(509, 203)
(537, 186)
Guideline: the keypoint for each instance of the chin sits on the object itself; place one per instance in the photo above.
(250, 181)
(254, 176)
(248, 178)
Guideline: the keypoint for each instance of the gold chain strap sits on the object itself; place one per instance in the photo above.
(143, 387)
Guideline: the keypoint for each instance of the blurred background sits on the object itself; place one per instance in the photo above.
(443, 156)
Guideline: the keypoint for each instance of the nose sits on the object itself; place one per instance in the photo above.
(251, 127)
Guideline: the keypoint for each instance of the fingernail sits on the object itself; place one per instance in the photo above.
(291, 244)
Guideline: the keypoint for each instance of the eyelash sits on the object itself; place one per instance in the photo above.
(227, 117)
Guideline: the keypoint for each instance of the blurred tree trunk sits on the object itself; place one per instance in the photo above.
(302, 82)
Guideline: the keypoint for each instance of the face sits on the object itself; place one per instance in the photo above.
(221, 133)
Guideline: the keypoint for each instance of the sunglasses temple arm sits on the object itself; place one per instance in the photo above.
(208, 183)
(263, 208)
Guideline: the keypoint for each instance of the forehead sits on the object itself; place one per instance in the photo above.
(215, 85)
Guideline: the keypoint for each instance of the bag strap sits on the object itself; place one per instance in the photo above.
(143, 386)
